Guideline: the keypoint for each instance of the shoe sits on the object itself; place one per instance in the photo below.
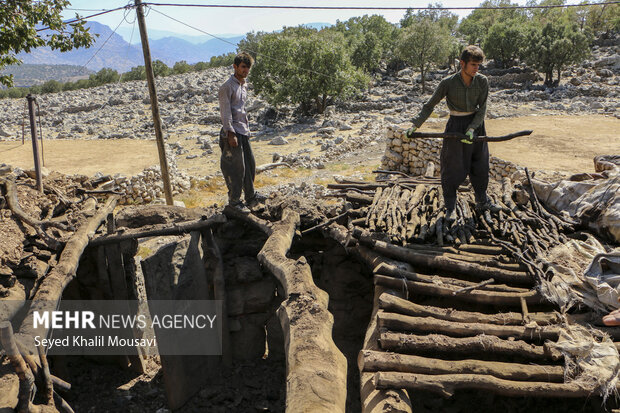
(487, 206)
(239, 206)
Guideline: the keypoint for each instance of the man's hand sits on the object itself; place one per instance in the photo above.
(232, 139)
(410, 131)
(469, 137)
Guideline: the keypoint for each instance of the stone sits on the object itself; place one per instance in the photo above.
(278, 141)
(604, 72)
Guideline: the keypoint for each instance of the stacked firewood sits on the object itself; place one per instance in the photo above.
(409, 210)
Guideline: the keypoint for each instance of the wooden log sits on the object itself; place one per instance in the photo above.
(373, 361)
(316, 369)
(448, 265)
(494, 298)
(268, 166)
(372, 212)
(476, 286)
(392, 271)
(51, 288)
(438, 343)
(393, 304)
(361, 185)
(215, 265)
(375, 400)
(26, 378)
(399, 322)
(13, 204)
(160, 230)
(447, 384)
(326, 223)
(457, 135)
(39, 226)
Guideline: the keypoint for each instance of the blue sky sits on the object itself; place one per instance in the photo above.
(240, 21)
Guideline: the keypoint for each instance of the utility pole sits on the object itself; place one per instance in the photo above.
(35, 143)
(150, 79)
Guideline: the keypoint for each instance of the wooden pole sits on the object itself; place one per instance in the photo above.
(150, 79)
(35, 144)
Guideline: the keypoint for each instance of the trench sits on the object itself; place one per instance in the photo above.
(256, 377)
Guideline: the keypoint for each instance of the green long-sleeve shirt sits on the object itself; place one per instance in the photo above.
(459, 98)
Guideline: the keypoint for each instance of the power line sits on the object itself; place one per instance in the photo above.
(238, 6)
(88, 17)
(106, 41)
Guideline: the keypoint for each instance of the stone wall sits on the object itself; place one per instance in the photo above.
(412, 155)
(147, 185)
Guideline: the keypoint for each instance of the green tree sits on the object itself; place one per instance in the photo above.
(105, 75)
(603, 18)
(200, 66)
(160, 69)
(370, 39)
(475, 26)
(434, 13)
(181, 67)
(553, 47)
(504, 42)
(18, 22)
(222, 60)
(51, 86)
(250, 42)
(136, 73)
(423, 44)
(305, 67)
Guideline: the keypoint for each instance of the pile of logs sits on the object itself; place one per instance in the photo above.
(409, 210)
(456, 304)
(437, 329)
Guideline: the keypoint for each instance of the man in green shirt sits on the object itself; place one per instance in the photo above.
(466, 94)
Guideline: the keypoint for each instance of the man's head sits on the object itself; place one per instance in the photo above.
(471, 59)
(242, 64)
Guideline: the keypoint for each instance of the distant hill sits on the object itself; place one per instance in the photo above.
(172, 49)
(120, 55)
(32, 74)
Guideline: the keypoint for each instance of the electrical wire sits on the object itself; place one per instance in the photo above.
(87, 17)
(238, 6)
(104, 43)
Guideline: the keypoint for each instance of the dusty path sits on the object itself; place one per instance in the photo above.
(562, 143)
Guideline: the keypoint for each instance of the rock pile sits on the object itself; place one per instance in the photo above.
(147, 186)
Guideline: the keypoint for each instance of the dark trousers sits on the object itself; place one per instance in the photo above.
(460, 159)
(238, 167)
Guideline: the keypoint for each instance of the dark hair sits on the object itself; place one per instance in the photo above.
(243, 57)
(472, 53)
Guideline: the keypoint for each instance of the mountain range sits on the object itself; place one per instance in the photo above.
(111, 50)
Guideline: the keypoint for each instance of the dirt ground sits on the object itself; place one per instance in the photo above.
(563, 143)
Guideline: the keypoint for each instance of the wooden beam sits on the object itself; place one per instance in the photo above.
(437, 343)
(393, 304)
(447, 384)
(399, 322)
(496, 298)
(160, 230)
(449, 265)
(316, 369)
(373, 361)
